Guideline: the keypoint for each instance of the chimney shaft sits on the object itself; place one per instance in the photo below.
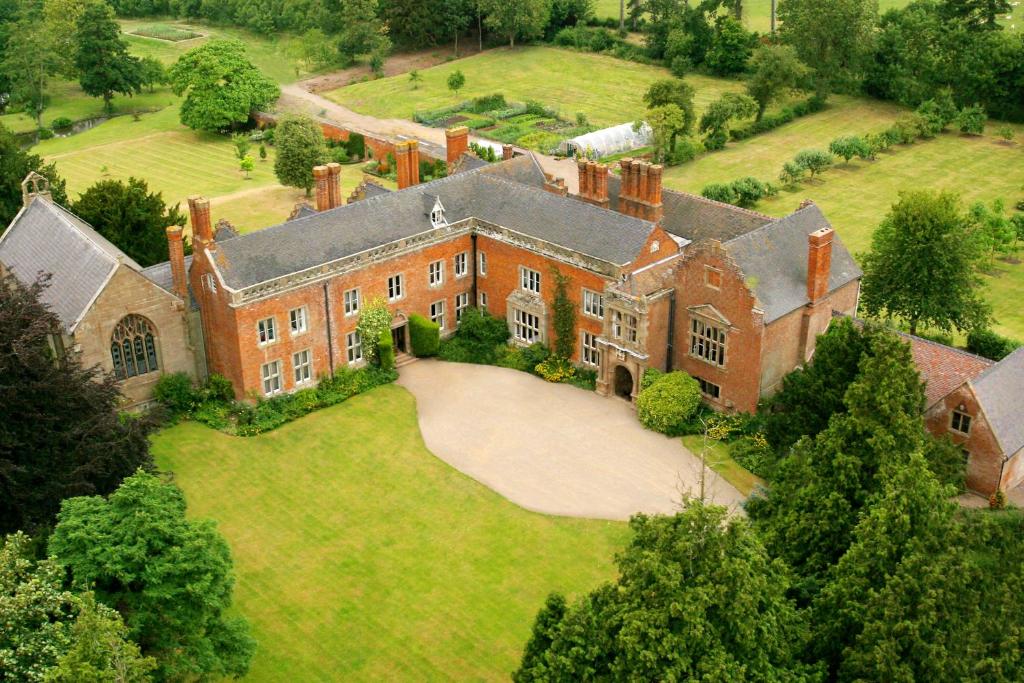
(458, 142)
(819, 263)
(414, 162)
(334, 184)
(507, 152)
(199, 213)
(321, 181)
(176, 254)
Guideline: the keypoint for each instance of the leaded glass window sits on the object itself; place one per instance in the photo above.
(133, 347)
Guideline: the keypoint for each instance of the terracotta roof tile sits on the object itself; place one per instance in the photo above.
(943, 368)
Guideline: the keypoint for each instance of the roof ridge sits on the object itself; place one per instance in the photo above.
(995, 363)
(62, 214)
(774, 222)
(715, 202)
(955, 349)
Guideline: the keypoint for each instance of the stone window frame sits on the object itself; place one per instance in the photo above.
(354, 347)
(437, 313)
(589, 299)
(209, 283)
(396, 282)
(521, 320)
(302, 370)
(461, 304)
(709, 389)
(590, 352)
(482, 267)
(960, 421)
(435, 273)
(351, 307)
(482, 300)
(712, 277)
(134, 347)
(463, 258)
(619, 324)
(702, 347)
(528, 279)
(266, 331)
(298, 320)
(270, 375)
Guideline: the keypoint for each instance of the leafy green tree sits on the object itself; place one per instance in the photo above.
(102, 61)
(48, 454)
(673, 91)
(720, 113)
(300, 146)
(242, 144)
(175, 594)
(667, 122)
(849, 146)
(363, 32)
(730, 48)
(15, 164)
(976, 13)
(777, 70)
(994, 231)
(456, 81)
(247, 165)
(836, 37)
(923, 265)
(29, 59)
(719, 192)
(130, 216)
(971, 120)
(523, 19)
(814, 161)
(792, 173)
(152, 73)
(564, 316)
(315, 49)
(697, 598)
(61, 20)
(221, 87)
(415, 78)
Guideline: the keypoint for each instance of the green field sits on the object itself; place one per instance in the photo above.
(856, 197)
(361, 556)
(562, 79)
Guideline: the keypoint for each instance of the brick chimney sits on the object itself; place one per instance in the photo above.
(555, 185)
(593, 178)
(640, 193)
(334, 184)
(458, 142)
(321, 176)
(507, 152)
(414, 162)
(199, 213)
(819, 263)
(176, 253)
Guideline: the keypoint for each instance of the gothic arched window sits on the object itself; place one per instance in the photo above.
(133, 347)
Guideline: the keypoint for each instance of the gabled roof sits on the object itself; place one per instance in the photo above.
(943, 368)
(46, 238)
(160, 274)
(774, 260)
(1000, 390)
(508, 195)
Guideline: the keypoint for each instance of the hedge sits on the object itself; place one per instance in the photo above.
(667, 404)
(424, 335)
(771, 121)
(386, 351)
(990, 344)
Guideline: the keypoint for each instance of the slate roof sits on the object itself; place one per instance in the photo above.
(160, 274)
(943, 368)
(46, 238)
(496, 194)
(1000, 390)
(696, 218)
(372, 189)
(774, 260)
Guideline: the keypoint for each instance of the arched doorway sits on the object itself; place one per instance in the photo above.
(623, 382)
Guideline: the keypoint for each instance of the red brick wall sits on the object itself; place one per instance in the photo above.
(658, 315)
(985, 466)
(739, 378)
(666, 247)
(218, 321)
(503, 261)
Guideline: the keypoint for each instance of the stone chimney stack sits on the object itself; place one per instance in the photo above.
(407, 163)
(593, 178)
(199, 213)
(507, 152)
(819, 263)
(457, 141)
(321, 181)
(334, 184)
(640, 193)
(176, 252)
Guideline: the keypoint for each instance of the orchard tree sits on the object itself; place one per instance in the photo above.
(102, 61)
(696, 594)
(130, 216)
(523, 19)
(456, 81)
(15, 164)
(300, 146)
(836, 37)
(814, 161)
(849, 146)
(673, 91)
(152, 73)
(720, 113)
(175, 596)
(63, 434)
(221, 87)
(667, 122)
(777, 70)
(923, 265)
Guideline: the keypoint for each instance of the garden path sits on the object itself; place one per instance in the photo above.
(553, 448)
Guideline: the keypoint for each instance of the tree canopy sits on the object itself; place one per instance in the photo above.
(221, 87)
(300, 147)
(776, 70)
(923, 265)
(175, 593)
(523, 19)
(130, 216)
(15, 164)
(48, 454)
(102, 60)
(836, 37)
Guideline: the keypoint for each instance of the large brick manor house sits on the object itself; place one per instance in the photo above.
(661, 279)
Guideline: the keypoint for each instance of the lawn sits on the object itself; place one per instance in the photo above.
(361, 556)
(856, 197)
(720, 461)
(608, 90)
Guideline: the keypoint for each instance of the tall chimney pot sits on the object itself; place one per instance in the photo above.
(819, 263)
(457, 143)
(176, 256)
(199, 215)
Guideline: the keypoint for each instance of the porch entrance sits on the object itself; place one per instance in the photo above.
(398, 337)
(623, 382)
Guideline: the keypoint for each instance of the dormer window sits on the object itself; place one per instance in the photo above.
(437, 218)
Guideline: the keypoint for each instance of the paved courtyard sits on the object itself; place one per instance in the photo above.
(552, 448)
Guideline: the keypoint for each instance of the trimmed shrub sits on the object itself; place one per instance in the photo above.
(971, 120)
(45, 133)
(555, 369)
(424, 335)
(651, 375)
(61, 123)
(356, 145)
(753, 453)
(814, 160)
(719, 192)
(749, 191)
(175, 392)
(668, 403)
(386, 351)
(218, 388)
(488, 103)
(773, 120)
(478, 339)
(687, 149)
(990, 344)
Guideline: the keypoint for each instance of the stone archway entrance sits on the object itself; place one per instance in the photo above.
(623, 382)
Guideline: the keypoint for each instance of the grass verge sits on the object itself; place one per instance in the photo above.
(720, 461)
(361, 556)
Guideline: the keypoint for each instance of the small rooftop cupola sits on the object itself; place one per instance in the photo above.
(437, 218)
(34, 185)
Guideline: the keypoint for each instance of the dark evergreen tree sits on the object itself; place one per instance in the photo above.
(61, 434)
(15, 164)
(103, 63)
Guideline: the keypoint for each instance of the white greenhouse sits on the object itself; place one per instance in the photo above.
(607, 141)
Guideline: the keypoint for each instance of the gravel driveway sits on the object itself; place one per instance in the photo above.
(552, 448)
